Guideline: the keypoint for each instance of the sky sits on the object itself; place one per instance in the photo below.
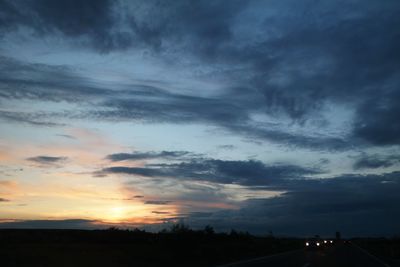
(267, 116)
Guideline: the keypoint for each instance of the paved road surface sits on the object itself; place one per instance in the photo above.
(342, 255)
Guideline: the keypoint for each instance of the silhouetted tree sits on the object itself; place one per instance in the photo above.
(209, 230)
(179, 228)
(233, 233)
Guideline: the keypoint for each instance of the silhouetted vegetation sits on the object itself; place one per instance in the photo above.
(177, 246)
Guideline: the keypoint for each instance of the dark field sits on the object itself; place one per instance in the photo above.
(178, 247)
(387, 249)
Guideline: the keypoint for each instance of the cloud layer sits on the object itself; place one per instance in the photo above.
(289, 64)
(239, 106)
(355, 205)
(250, 173)
(148, 155)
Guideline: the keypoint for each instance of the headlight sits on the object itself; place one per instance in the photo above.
(325, 241)
(331, 241)
(307, 244)
(317, 243)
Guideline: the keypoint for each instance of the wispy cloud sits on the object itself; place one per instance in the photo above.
(67, 136)
(249, 172)
(28, 118)
(157, 202)
(150, 155)
(375, 161)
(160, 212)
(47, 160)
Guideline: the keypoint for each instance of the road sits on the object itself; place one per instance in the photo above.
(342, 255)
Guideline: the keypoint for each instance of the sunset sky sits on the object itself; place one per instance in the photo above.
(272, 115)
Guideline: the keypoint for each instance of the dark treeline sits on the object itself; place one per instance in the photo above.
(177, 246)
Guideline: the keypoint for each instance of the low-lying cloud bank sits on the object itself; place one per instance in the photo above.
(51, 224)
(356, 205)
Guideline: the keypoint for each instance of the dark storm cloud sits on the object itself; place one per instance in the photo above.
(250, 173)
(354, 205)
(147, 172)
(9, 16)
(292, 139)
(149, 155)
(138, 102)
(73, 19)
(375, 161)
(336, 59)
(299, 57)
(343, 54)
(155, 105)
(378, 117)
(107, 26)
(45, 160)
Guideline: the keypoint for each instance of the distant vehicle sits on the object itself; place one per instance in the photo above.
(314, 243)
(318, 243)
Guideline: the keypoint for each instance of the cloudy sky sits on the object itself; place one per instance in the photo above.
(270, 115)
